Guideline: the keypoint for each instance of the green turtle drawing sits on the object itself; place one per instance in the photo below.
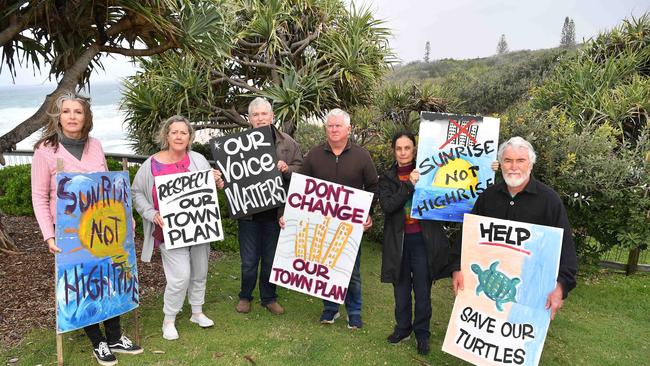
(495, 284)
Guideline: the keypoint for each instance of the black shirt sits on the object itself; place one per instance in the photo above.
(536, 204)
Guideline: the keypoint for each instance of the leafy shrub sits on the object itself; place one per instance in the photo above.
(231, 241)
(596, 137)
(309, 135)
(203, 149)
(600, 183)
(16, 190)
(607, 82)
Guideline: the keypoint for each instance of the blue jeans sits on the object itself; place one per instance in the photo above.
(353, 296)
(257, 241)
(414, 276)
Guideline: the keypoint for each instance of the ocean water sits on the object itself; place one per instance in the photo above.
(18, 103)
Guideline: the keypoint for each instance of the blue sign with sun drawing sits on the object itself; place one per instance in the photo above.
(455, 153)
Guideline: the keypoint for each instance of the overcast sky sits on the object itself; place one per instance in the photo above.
(457, 29)
(463, 29)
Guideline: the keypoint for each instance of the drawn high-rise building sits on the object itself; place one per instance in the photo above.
(320, 231)
(462, 138)
(301, 239)
(337, 244)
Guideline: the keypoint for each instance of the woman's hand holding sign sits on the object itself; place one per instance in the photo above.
(51, 246)
(158, 220)
(414, 177)
(217, 178)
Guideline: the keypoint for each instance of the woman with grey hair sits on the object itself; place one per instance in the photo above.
(186, 268)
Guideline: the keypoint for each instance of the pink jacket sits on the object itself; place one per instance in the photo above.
(44, 178)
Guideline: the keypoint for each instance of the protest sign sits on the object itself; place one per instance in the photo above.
(96, 272)
(189, 208)
(454, 157)
(318, 247)
(509, 268)
(248, 164)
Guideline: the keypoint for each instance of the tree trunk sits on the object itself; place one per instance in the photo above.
(289, 127)
(32, 124)
(7, 245)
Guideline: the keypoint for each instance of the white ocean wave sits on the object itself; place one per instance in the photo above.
(108, 126)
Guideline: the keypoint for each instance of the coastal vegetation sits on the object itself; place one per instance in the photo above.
(584, 109)
(305, 56)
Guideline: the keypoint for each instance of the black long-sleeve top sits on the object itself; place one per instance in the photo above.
(537, 204)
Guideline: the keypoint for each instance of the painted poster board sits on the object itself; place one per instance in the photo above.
(96, 271)
(509, 268)
(248, 163)
(454, 157)
(189, 208)
(317, 248)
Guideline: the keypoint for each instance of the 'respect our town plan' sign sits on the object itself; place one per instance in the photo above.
(189, 208)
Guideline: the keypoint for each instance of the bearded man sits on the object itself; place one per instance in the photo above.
(523, 198)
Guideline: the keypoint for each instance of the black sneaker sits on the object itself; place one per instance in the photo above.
(125, 345)
(103, 355)
(423, 346)
(397, 337)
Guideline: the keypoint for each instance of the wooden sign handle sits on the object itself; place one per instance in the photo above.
(136, 312)
(59, 337)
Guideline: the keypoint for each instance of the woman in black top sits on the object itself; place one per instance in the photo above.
(414, 251)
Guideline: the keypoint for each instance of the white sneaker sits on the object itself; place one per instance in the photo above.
(169, 331)
(202, 320)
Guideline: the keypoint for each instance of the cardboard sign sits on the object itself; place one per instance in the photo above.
(318, 247)
(248, 164)
(96, 272)
(189, 207)
(509, 268)
(454, 157)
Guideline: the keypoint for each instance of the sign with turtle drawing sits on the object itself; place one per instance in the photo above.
(509, 268)
(454, 157)
(318, 246)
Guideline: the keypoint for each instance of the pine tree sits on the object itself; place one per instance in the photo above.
(502, 46)
(427, 51)
(568, 38)
(572, 33)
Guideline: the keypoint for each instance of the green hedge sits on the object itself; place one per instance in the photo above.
(16, 200)
(16, 190)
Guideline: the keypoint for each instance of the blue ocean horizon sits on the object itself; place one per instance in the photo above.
(19, 102)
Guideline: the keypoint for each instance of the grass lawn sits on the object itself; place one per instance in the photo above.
(606, 321)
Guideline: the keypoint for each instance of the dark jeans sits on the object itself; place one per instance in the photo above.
(257, 240)
(353, 296)
(414, 276)
(112, 328)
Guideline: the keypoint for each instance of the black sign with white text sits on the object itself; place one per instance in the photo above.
(248, 165)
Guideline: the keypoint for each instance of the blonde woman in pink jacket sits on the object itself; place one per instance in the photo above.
(66, 138)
